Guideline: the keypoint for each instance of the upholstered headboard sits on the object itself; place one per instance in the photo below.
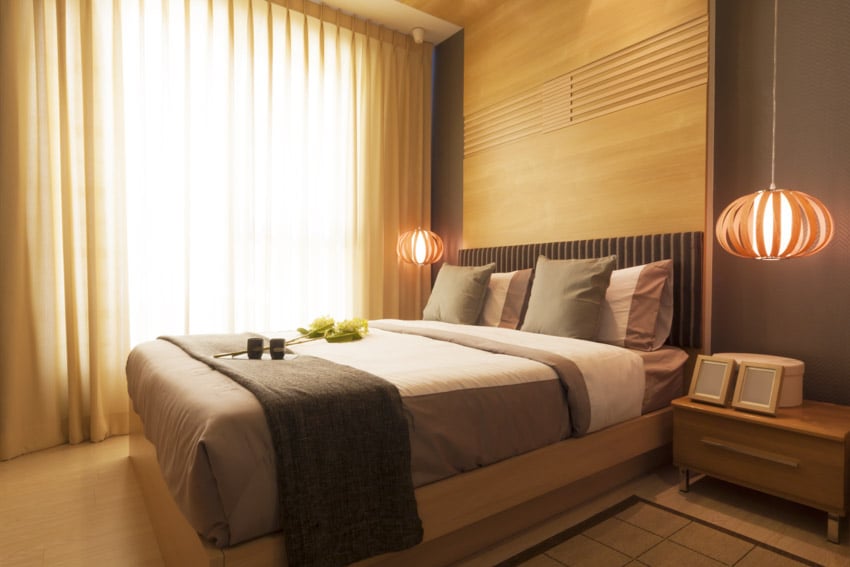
(684, 248)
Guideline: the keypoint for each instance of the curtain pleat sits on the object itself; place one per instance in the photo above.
(190, 166)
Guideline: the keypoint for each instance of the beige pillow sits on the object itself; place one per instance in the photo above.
(566, 296)
(458, 294)
(638, 308)
(505, 299)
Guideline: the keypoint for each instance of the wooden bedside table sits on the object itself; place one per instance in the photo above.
(801, 454)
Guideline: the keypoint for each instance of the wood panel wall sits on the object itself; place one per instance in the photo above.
(584, 119)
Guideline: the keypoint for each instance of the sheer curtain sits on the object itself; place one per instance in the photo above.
(274, 158)
(192, 166)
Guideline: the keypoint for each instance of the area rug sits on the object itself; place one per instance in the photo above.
(653, 535)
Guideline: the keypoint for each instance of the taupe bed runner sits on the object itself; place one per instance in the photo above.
(569, 374)
(343, 452)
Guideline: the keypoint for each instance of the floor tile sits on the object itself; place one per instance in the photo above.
(669, 554)
(653, 519)
(759, 557)
(716, 544)
(623, 536)
(582, 551)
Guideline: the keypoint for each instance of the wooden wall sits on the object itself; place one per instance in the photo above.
(584, 119)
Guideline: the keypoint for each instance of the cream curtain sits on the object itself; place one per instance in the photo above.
(64, 322)
(185, 166)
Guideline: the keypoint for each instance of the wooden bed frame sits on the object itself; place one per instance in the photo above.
(471, 512)
(461, 515)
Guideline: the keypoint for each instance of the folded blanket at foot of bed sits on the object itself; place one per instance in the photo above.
(343, 452)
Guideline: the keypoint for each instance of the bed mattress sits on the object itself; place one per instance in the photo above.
(467, 408)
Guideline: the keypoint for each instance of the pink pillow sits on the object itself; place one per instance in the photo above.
(506, 299)
(638, 308)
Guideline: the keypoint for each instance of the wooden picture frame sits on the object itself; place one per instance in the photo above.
(711, 379)
(757, 388)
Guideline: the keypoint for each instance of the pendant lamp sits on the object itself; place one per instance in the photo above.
(774, 224)
(420, 247)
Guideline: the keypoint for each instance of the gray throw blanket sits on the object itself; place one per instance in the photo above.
(343, 452)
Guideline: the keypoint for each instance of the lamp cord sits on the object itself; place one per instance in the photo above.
(773, 130)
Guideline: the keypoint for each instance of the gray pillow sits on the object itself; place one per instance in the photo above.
(566, 296)
(458, 294)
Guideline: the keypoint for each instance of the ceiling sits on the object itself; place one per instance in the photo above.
(401, 17)
(460, 12)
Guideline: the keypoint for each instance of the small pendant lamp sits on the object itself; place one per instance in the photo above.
(420, 247)
(774, 224)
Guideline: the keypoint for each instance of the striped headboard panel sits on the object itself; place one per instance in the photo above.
(685, 248)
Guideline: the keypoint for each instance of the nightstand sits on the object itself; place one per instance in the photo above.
(801, 454)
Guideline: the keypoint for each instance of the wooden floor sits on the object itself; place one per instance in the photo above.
(81, 505)
(74, 505)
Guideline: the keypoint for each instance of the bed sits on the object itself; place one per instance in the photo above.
(465, 503)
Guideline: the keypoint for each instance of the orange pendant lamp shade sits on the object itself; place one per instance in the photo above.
(420, 247)
(774, 224)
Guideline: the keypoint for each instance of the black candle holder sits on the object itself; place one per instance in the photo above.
(255, 348)
(277, 348)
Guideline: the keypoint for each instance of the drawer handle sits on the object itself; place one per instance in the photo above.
(751, 452)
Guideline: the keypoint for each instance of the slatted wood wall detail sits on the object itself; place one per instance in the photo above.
(667, 63)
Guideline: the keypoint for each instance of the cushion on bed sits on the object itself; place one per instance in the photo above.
(638, 308)
(505, 299)
(566, 296)
(458, 294)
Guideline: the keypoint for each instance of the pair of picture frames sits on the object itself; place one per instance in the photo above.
(756, 388)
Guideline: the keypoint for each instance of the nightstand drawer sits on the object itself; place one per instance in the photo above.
(799, 467)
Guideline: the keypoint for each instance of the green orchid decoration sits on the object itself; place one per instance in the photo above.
(317, 328)
(333, 332)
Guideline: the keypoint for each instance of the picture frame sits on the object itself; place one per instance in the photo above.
(757, 388)
(711, 380)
